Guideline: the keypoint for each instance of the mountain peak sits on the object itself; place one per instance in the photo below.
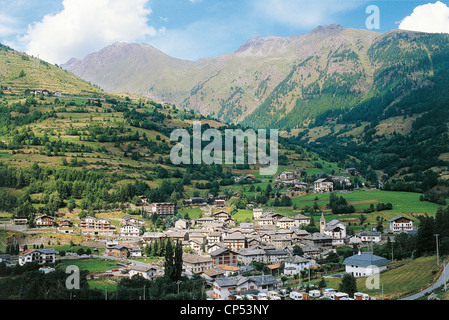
(328, 29)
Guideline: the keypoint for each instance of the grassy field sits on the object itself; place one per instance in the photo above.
(92, 265)
(404, 203)
(402, 279)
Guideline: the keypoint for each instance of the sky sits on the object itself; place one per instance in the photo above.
(57, 30)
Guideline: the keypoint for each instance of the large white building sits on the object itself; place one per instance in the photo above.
(41, 256)
(364, 264)
(401, 224)
(223, 288)
(130, 230)
(323, 185)
(296, 264)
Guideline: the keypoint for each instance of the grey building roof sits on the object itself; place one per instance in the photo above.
(366, 259)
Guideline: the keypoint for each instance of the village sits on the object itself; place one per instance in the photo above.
(222, 251)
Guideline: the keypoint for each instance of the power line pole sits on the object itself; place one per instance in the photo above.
(438, 257)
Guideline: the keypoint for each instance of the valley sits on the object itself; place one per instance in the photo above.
(86, 176)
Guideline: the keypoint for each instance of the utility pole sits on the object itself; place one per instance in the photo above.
(438, 257)
(144, 292)
(444, 274)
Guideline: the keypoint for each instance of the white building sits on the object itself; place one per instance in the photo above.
(147, 272)
(41, 256)
(401, 224)
(223, 288)
(323, 185)
(296, 264)
(368, 237)
(365, 264)
(130, 230)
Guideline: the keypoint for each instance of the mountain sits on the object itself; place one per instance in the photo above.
(19, 71)
(229, 87)
(78, 154)
(278, 82)
(375, 101)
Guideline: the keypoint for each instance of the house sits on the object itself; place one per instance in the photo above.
(300, 186)
(296, 264)
(149, 237)
(163, 210)
(286, 175)
(235, 241)
(224, 256)
(130, 230)
(257, 213)
(118, 251)
(365, 264)
(301, 220)
(323, 185)
(337, 231)
(182, 224)
(401, 224)
(20, 221)
(247, 227)
(177, 235)
(369, 237)
(44, 221)
(196, 264)
(249, 255)
(224, 288)
(135, 252)
(265, 220)
(211, 274)
(285, 223)
(194, 201)
(91, 226)
(41, 256)
(213, 237)
(65, 222)
(280, 241)
(228, 270)
(224, 217)
(196, 245)
(220, 203)
(317, 239)
(147, 272)
(344, 181)
(132, 220)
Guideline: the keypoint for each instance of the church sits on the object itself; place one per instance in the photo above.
(334, 229)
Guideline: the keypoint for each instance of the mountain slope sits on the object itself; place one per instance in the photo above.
(277, 82)
(229, 87)
(20, 71)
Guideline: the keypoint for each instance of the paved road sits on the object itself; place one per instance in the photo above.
(443, 278)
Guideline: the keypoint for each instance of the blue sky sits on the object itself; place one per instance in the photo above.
(57, 30)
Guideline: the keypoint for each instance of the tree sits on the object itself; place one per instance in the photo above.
(297, 251)
(178, 261)
(169, 261)
(348, 284)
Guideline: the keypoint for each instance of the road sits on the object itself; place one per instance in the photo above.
(443, 278)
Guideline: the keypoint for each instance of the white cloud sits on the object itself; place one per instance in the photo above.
(84, 26)
(431, 17)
